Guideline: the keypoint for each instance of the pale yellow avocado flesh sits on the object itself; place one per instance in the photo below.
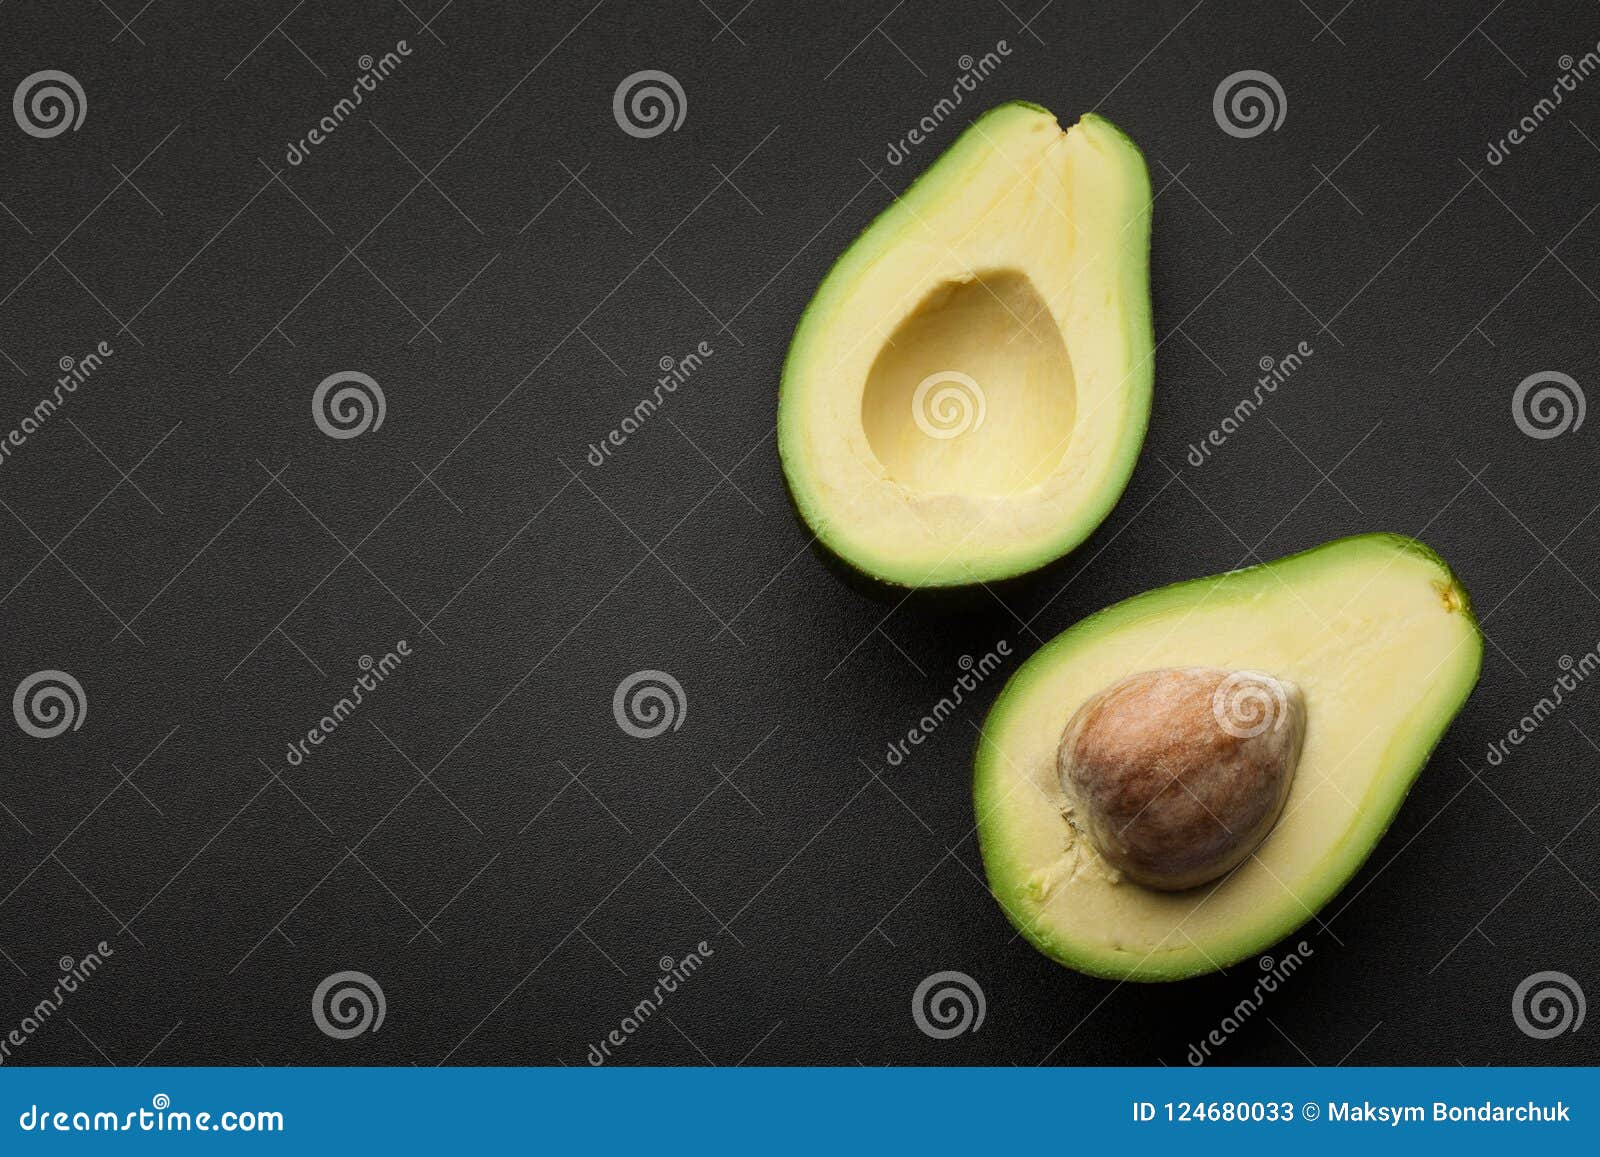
(1381, 639)
(965, 397)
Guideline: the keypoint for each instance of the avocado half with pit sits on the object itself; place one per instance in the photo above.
(966, 394)
(1183, 779)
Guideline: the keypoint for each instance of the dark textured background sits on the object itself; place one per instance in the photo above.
(184, 540)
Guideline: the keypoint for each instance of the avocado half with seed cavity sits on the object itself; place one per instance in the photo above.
(1129, 775)
(966, 394)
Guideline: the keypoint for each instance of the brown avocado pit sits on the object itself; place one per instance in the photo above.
(1176, 775)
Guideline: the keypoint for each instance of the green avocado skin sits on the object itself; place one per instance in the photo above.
(881, 577)
(1400, 780)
